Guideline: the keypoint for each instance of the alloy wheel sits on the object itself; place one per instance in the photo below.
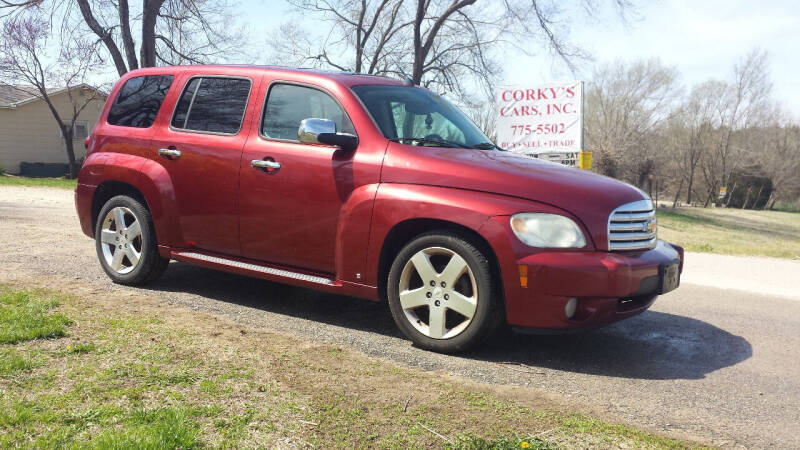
(121, 240)
(438, 292)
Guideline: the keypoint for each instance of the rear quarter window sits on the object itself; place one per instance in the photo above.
(212, 105)
(139, 100)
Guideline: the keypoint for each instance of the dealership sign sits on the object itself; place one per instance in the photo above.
(541, 119)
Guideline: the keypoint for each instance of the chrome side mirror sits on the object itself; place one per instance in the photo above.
(310, 129)
(323, 131)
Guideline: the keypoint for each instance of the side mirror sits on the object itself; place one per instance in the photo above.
(323, 131)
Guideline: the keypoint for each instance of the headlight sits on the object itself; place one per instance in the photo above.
(547, 230)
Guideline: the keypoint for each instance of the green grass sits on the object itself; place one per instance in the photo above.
(732, 231)
(13, 362)
(474, 443)
(150, 429)
(27, 315)
(133, 374)
(61, 182)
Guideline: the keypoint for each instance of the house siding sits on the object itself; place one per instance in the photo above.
(29, 133)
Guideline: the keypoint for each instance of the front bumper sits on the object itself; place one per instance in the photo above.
(608, 286)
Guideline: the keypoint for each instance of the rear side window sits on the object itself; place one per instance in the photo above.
(288, 104)
(212, 105)
(139, 100)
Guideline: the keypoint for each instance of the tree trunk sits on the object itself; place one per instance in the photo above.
(747, 197)
(730, 194)
(755, 200)
(771, 194)
(657, 194)
(147, 58)
(677, 194)
(689, 190)
(711, 193)
(67, 131)
(125, 32)
(104, 35)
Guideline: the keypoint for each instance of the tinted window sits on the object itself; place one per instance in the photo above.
(212, 104)
(179, 118)
(139, 100)
(287, 105)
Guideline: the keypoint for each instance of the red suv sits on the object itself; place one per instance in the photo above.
(362, 186)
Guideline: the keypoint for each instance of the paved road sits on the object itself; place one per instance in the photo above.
(719, 365)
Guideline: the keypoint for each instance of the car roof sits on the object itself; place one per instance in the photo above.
(344, 78)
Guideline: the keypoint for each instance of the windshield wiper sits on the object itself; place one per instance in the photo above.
(487, 146)
(436, 142)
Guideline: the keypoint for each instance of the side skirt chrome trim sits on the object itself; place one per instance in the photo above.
(255, 268)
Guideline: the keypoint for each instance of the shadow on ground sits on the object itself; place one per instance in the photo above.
(653, 345)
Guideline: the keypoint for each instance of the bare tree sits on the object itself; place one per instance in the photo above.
(484, 115)
(625, 106)
(697, 127)
(772, 150)
(9, 7)
(25, 48)
(745, 97)
(449, 46)
(170, 31)
(362, 36)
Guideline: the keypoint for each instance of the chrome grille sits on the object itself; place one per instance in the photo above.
(632, 226)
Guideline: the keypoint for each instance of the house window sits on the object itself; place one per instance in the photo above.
(81, 131)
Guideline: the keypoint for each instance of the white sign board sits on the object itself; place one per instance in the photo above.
(540, 119)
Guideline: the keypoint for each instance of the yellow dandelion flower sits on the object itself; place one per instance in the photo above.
(524, 445)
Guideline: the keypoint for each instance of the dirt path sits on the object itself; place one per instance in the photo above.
(719, 365)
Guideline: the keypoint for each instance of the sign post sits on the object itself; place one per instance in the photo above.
(544, 122)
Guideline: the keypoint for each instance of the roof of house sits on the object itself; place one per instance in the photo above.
(12, 96)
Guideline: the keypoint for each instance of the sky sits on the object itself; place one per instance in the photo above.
(703, 39)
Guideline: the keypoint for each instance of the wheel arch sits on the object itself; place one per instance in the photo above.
(108, 189)
(404, 232)
(148, 182)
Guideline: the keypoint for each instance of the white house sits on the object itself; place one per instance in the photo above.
(28, 131)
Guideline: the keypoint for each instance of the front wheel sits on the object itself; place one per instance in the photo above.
(442, 294)
(126, 242)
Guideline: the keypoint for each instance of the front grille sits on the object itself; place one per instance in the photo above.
(632, 227)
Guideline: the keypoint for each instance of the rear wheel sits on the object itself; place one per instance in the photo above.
(126, 242)
(442, 294)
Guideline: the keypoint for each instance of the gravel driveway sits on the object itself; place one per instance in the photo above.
(714, 364)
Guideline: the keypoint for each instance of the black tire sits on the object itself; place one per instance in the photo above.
(150, 265)
(488, 311)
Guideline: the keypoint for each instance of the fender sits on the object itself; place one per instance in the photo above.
(352, 232)
(396, 203)
(153, 181)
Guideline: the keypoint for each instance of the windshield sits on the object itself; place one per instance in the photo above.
(418, 116)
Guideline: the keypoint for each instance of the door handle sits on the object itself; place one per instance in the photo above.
(169, 153)
(262, 164)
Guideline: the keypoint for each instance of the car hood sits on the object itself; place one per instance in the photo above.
(588, 196)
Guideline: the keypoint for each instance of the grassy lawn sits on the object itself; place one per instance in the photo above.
(132, 373)
(732, 231)
(8, 180)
